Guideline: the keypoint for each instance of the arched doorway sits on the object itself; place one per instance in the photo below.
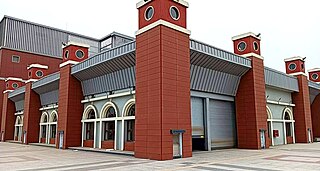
(129, 125)
(109, 117)
(44, 126)
(288, 122)
(270, 127)
(88, 127)
(53, 127)
(18, 128)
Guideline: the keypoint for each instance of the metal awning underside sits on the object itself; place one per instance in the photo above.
(47, 84)
(17, 95)
(210, 57)
(280, 80)
(314, 90)
(107, 62)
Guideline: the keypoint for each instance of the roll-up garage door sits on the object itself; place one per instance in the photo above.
(197, 117)
(222, 124)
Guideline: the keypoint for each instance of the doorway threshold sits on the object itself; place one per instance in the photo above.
(108, 151)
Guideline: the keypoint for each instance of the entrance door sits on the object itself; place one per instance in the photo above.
(176, 146)
(60, 139)
(263, 139)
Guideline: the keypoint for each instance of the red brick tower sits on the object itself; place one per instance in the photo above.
(251, 99)
(70, 96)
(302, 112)
(314, 75)
(8, 109)
(163, 119)
(32, 104)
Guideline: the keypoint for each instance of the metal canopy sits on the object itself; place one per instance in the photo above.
(47, 84)
(280, 80)
(314, 90)
(17, 95)
(107, 62)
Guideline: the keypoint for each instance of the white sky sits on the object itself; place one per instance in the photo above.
(288, 28)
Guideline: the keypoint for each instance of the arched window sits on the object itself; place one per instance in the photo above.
(53, 127)
(132, 110)
(269, 115)
(288, 117)
(111, 113)
(91, 114)
(54, 118)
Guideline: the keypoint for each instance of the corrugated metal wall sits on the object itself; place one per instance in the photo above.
(19, 105)
(2, 30)
(94, 45)
(197, 116)
(278, 79)
(51, 97)
(222, 124)
(114, 81)
(38, 39)
(203, 79)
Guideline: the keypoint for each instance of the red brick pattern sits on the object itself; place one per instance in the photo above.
(162, 92)
(302, 110)
(251, 106)
(129, 146)
(314, 72)
(300, 66)
(8, 118)
(107, 144)
(31, 114)
(70, 108)
(250, 46)
(315, 111)
(72, 49)
(88, 143)
(2, 88)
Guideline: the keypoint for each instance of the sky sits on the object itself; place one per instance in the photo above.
(288, 28)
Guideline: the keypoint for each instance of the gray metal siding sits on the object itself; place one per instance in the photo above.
(280, 80)
(197, 116)
(2, 31)
(114, 81)
(222, 124)
(36, 38)
(17, 92)
(19, 105)
(94, 45)
(51, 97)
(203, 79)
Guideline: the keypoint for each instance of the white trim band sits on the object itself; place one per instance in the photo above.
(280, 103)
(31, 80)
(253, 55)
(314, 70)
(7, 91)
(244, 35)
(294, 59)
(68, 62)
(13, 79)
(144, 2)
(75, 44)
(298, 73)
(164, 23)
(108, 97)
(37, 66)
(49, 107)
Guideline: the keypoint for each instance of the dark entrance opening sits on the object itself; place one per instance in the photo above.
(198, 144)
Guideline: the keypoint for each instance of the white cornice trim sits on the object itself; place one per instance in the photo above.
(144, 2)
(19, 113)
(2, 79)
(7, 91)
(13, 79)
(31, 80)
(298, 73)
(108, 97)
(68, 62)
(37, 66)
(164, 23)
(314, 70)
(253, 55)
(294, 59)
(280, 103)
(49, 107)
(244, 35)
(75, 44)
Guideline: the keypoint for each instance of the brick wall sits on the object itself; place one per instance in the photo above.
(302, 111)
(2, 88)
(251, 112)
(315, 112)
(162, 92)
(70, 108)
(8, 118)
(31, 114)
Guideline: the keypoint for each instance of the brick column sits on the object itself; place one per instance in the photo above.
(302, 110)
(251, 106)
(2, 89)
(31, 114)
(315, 113)
(70, 108)
(8, 119)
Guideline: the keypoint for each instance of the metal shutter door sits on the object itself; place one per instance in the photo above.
(197, 117)
(222, 124)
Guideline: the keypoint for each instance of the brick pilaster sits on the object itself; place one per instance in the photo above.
(2, 88)
(315, 113)
(251, 112)
(31, 114)
(302, 111)
(70, 108)
(8, 118)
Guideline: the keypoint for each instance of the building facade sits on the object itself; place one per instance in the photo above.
(160, 95)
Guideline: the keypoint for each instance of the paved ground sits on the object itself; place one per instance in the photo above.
(33, 158)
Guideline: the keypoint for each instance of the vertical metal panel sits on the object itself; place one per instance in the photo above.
(281, 80)
(51, 97)
(40, 39)
(2, 30)
(94, 45)
(203, 79)
(197, 114)
(114, 81)
(222, 124)
(19, 105)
